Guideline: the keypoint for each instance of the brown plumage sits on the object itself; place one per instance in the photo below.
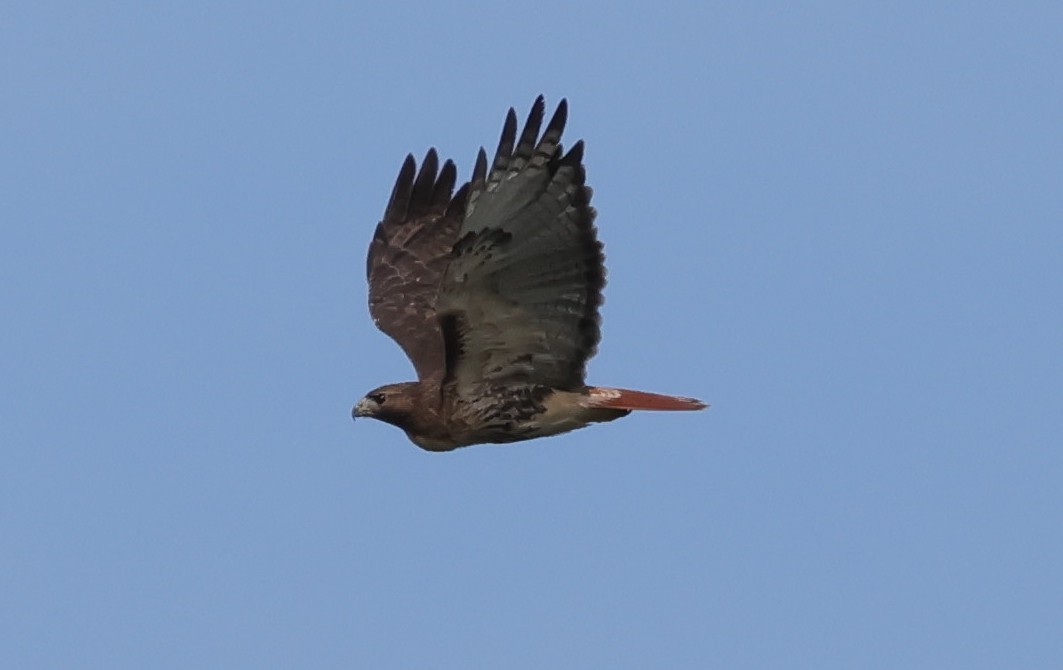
(493, 293)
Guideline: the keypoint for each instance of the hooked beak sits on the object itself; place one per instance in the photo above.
(361, 408)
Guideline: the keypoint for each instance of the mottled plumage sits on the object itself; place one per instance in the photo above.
(493, 293)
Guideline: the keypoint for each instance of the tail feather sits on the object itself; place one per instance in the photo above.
(625, 399)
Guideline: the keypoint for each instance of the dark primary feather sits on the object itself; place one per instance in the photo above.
(520, 296)
(408, 255)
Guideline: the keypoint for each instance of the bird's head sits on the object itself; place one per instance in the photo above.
(392, 403)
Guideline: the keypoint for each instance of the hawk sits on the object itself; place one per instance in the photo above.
(493, 293)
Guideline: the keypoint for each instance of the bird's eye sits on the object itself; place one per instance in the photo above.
(378, 398)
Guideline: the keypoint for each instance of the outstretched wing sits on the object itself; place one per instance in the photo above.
(519, 300)
(407, 258)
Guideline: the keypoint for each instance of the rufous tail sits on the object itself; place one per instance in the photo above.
(625, 399)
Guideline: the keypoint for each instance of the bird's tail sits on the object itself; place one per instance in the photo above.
(625, 399)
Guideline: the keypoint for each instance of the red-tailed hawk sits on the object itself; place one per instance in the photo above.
(493, 293)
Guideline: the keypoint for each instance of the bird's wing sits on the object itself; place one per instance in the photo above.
(519, 300)
(407, 258)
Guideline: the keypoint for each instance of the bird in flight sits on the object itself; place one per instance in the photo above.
(493, 293)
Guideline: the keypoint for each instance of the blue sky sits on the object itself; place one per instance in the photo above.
(840, 224)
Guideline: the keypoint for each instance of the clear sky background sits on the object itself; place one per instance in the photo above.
(841, 224)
